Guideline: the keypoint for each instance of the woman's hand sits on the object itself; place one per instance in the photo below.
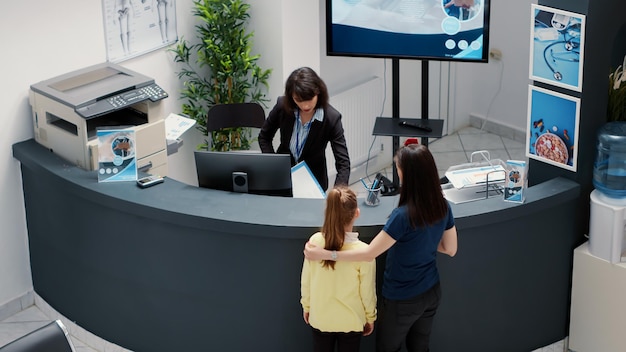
(313, 252)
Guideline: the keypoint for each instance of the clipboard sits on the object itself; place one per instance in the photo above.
(304, 184)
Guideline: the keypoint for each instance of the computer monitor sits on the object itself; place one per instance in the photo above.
(246, 172)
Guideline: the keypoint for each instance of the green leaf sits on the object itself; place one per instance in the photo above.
(219, 66)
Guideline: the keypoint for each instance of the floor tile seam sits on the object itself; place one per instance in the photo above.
(26, 321)
(462, 146)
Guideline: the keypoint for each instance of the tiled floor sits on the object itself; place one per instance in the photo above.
(30, 319)
(451, 150)
(457, 148)
(33, 317)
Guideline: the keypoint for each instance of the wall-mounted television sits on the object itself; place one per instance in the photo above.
(245, 172)
(450, 30)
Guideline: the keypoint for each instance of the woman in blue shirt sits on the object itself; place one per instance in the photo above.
(417, 229)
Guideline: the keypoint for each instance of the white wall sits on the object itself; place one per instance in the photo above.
(477, 84)
(46, 40)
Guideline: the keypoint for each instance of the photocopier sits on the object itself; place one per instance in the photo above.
(67, 111)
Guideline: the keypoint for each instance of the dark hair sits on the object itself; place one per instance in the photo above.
(421, 189)
(341, 206)
(305, 84)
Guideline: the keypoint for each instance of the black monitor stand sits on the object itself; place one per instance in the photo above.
(393, 126)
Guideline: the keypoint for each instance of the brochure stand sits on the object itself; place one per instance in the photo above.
(475, 180)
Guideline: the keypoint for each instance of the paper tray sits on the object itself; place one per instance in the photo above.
(470, 194)
(477, 174)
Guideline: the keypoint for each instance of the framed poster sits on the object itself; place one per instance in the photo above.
(135, 27)
(552, 130)
(556, 47)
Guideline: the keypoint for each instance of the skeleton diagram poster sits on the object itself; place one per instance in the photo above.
(135, 27)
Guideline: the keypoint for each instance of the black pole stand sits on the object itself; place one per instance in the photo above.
(395, 105)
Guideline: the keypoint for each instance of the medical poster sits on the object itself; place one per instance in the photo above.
(552, 131)
(135, 27)
(556, 47)
(116, 155)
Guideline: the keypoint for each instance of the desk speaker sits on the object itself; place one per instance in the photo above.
(240, 182)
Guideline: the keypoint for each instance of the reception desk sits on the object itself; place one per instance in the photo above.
(179, 268)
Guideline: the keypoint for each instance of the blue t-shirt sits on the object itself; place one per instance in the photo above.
(411, 266)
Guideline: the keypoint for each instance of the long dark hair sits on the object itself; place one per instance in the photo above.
(341, 206)
(304, 84)
(421, 188)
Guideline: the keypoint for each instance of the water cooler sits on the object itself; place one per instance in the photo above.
(607, 220)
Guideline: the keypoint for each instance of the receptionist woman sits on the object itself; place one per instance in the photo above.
(307, 123)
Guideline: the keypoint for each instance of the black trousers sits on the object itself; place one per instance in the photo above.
(345, 341)
(408, 321)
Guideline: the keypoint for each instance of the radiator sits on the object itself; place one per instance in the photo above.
(359, 106)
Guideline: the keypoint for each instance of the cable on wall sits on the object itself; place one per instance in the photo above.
(482, 126)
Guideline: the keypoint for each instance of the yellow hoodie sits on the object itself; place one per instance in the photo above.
(340, 300)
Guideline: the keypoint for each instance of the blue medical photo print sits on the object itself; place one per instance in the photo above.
(552, 131)
(556, 47)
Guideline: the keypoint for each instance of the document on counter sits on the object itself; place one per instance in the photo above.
(476, 176)
(176, 125)
(304, 184)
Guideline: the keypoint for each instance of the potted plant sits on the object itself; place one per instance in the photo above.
(224, 48)
(617, 94)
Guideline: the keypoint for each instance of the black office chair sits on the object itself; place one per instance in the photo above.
(222, 116)
(52, 337)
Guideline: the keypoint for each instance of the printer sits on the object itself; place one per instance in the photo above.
(68, 110)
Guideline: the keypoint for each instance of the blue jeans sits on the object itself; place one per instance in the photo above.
(407, 321)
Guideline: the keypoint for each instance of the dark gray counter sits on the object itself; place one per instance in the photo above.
(178, 268)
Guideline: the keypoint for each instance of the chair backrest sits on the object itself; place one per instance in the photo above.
(235, 115)
(52, 337)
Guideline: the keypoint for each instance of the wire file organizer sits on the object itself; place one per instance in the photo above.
(475, 180)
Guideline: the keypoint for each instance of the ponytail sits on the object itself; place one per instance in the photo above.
(341, 207)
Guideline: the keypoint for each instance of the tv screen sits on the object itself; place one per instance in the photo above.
(247, 172)
(451, 30)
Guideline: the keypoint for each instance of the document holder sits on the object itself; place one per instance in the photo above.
(475, 180)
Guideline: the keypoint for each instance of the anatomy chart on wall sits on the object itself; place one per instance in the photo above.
(135, 27)
(556, 47)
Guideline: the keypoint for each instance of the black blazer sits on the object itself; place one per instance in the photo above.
(314, 151)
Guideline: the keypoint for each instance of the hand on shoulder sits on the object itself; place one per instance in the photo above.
(312, 251)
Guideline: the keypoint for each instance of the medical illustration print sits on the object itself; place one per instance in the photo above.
(552, 131)
(116, 155)
(135, 27)
(556, 47)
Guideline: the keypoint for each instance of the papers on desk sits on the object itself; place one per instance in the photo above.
(476, 176)
(176, 125)
(304, 184)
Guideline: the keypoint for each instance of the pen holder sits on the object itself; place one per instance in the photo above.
(372, 197)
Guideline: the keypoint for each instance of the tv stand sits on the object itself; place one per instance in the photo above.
(392, 126)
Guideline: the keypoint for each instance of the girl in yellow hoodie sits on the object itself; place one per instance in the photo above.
(339, 298)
